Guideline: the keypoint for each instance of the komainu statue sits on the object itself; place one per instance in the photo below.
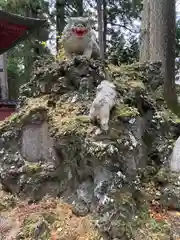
(105, 100)
(78, 38)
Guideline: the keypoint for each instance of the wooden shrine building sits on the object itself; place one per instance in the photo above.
(13, 30)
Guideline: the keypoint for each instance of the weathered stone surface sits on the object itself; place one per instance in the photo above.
(50, 146)
(37, 144)
(169, 183)
(175, 157)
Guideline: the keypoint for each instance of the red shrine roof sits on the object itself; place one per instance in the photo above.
(14, 29)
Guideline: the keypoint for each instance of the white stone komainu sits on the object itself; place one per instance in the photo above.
(105, 100)
(84, 45)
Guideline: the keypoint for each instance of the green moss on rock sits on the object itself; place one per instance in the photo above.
(32, 168)
(163, 176)
(74, 126)
(7, 201)
(81, 149)
(33, 108)
(35, 227)
(123, 110)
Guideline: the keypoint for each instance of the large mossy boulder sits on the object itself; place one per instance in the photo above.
(49, 146)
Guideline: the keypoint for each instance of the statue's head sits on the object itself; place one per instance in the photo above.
(80, 26)
(105, 84)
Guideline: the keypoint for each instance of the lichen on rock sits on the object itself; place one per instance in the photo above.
(49, 146)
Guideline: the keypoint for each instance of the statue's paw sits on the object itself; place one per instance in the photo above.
(77, 59)
(105, 131)
(98, 131)
(104, 128)
(84, 58)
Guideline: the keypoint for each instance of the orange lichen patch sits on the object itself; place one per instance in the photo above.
(158, 216)
(72, 227)
(23, 209)
(157, 212)
(54, 235)
(61, 223)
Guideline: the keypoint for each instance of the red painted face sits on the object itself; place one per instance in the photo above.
(80, 32)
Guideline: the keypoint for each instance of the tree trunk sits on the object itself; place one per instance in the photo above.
(145, 33)
(80, 9)
(104, 26)
(28, 60)
(60, 20)
(162, 43)
(100, 27)
(158, 43)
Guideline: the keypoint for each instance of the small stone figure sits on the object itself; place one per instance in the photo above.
(103, 103)
(78, 38)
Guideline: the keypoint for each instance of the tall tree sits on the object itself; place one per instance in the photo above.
(162, 43)
(159, 39)
(79, 7)
(100, 26)
(104, 26)
(60, 20)
(145, 33)
(120, 21)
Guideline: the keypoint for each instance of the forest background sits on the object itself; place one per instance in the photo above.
(121, 32)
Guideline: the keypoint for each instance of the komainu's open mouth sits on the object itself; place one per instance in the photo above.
(80, 31)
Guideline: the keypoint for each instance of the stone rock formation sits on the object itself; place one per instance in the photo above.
(175, 157)
(51, 147)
